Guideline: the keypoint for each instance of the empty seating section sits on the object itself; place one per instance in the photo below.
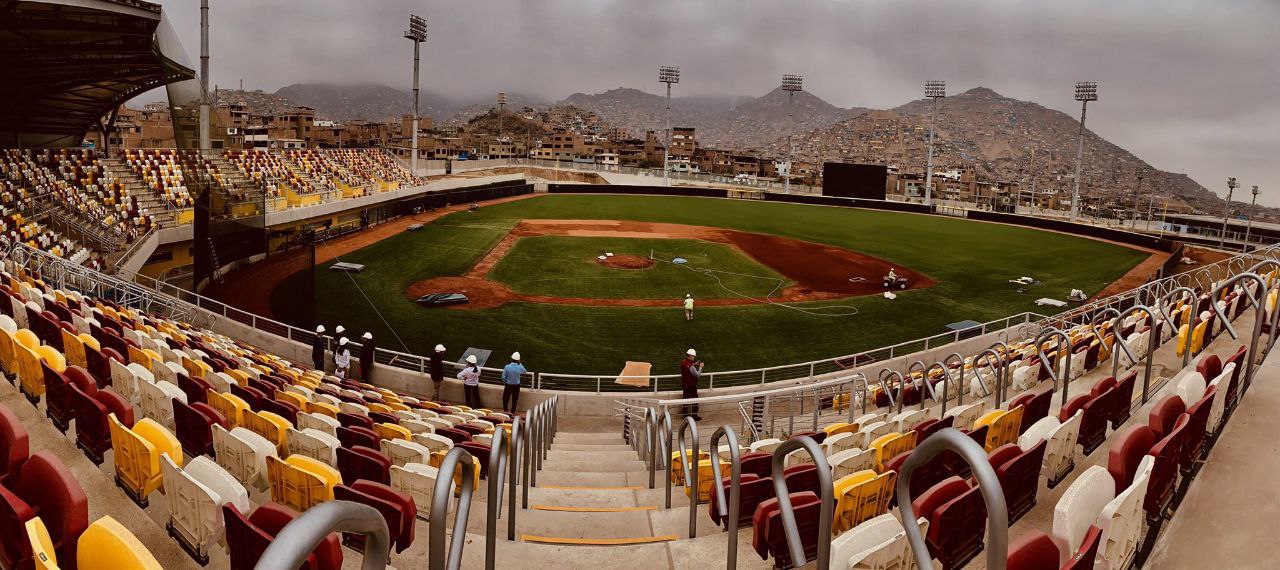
(269, 171)
(164, 173)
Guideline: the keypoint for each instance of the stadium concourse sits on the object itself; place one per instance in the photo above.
(134, 435)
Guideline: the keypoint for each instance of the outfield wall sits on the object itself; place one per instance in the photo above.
(709, 192)
(1099, 232)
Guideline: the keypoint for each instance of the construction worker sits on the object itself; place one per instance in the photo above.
(317, 349)
(690, 374)
(511, 374)
(688, 307)
(341, 359)
(470, 376)
(437, 371)
(366, 357)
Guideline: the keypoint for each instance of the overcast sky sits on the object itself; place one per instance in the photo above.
(1187, 86)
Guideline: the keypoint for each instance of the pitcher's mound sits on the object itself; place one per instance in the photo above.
(626, 262)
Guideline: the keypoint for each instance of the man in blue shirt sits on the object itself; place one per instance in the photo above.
(511, 374)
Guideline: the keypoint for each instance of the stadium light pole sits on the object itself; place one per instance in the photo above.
(1231, 187)
(1137, 196)
(417, 33)
(668, 74)
(206, 143)
(933, 89)
(502, 105)
(790, 84)
(1086, 91)
(1248, 228)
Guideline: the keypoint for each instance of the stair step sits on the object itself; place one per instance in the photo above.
(603, 455)
(572, 509)
(598, 541)
(586, 465)
(596, 438)
(591, 488)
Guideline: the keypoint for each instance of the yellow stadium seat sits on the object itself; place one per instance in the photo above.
(1197, 338)
(296, 399)
(376, 407)
(52, 357)
(677, 466)
(300, 482)
(108, 544)
(137, 456)
(138, 356)
(73, 349)
(707, 480)
(398, 406)
(988, 418)
(271, 426)
(27, 338)
(1004, 428)
(229, 405)
(324, 409)
(30, 376)
(196, 368)
(7, 358)
(241, 377)
(391, 431)
(43, 554)
(862, 496)
(841, 427)
(890, 445)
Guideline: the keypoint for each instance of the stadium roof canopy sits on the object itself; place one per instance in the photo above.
(64, 64)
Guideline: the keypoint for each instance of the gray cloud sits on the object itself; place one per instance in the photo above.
(1185, 85)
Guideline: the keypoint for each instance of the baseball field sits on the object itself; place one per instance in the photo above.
(583, 283)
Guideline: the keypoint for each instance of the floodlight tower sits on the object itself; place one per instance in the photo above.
(1249, 226)
(205, 128)
(502, 105)
(1137, 196)
(790, 84)
(1086, 91)
(417, 33)
(668, 74)
(1231, 187)
(934, 89)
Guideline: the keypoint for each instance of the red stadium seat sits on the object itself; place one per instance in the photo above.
(1127, 451)
(99, 365)
(1123, 399)
(194, 426)
(1034, 550)
(397, 507)
(800, 478)
(925, 477)
(385, 418)
(93, 432)
(194, 388)
(1164, 414)
(283, 409)
(1233, 390)
(1102, 385)
(353, 420)
(248, 538)
(52, 493)
(359, 462)
(57, 400)
(481, 452)
(455, 435)
(1197, 431)
(769, 539)
(357, 436)
(1164, 474)
(1020, 479)
(957, 519)
(758, 463)
(1034, 408)
(1072, 406)
(754, 490)
(14, 444)
(1209, 367)
(250, 395)
(1093, 424)
(957, 465)
(1088, 552)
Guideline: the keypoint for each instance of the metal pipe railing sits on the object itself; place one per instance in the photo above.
(902, 386)
(731, 510)
(1060, 378)
(516, 449)
(1002, 374)
(959, 382)
(1259, 315)
(1115, 331)
(437, 558)
(787, 512)
(946, 385)
(923, 379)
(302, 535)
(1151, 348)
(973, 454)
(986, 356)
(1192, 299)
(690, 475)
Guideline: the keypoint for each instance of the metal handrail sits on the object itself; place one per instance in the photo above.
(516, 449)
(853, 389)
(1115, 332)
(985, 356)
(885, 374)
(787, 512)
(530, 478)
(498, 449)
(973, 454)
(1059, 382)
(959, 382)
(302, 535)
(690, 476)
(440, 509)
(923, 379)
(664, 450)
(1151, 348)
(1260, 308)
(1275, 314)
(946, 385)
(1002, 376)
(731, 510)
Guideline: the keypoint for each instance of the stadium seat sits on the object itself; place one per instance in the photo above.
(59, 406)
(759, 463)
(357, 436)
(929, 427)
(14, 444)
(889, 446)
(137, 456)
(836, 443)
(861, 496)
(248, 537)
(1164, 414)
(243, 454)
(315, 444)
(270, 426)
(318, 422)
(282, 409)
(193, 426)
(44, 487)
(157, 401)
(957, 521)
(1034, 407)
(768, 445)
(878, 544)
(453, 434)
(418, 480)
(1020, 478)
(1164, 474)
(768, 538)
(359, 462)
(393, 431)
(906, 420)
(1219, 408)
(195, 495)
(433, 442)
(1096, 413)
(396, 507)
(232, 407)
(753, 490)
(1033, 551)
(1079, 507)
(194, 387)
(300, 482)
(402, 452)
(1197, 430)
(966, 415)
(1121, 521)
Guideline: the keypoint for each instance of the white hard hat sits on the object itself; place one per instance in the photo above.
(368, 335)
(692, 352)
(439, 348)
(320, 329)
(687, 295)
(342, 341)
(515, 356)
(471, 359)
(338, 329)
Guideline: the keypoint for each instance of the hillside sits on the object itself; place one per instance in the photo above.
(1001, 139)
(369, 102)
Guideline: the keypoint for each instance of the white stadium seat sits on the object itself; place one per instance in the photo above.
(243, 454)
(1123, 521)
(195, 496)
(1079, 508)
(418, 481)
(315, 444)
(403, 452)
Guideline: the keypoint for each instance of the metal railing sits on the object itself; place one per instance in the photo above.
(302, 535)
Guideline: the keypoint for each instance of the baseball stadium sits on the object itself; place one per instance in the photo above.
(228, 346)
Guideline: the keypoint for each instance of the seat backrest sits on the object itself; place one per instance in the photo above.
(1128, 449)
(361, 462)
(1164, 474)
(957, 527)
(438, 443)
(1122, 522)
(402, 451)
(768, 527)
(1220, 385)
(1080, 506)
(1072, 406)
(52, 490)
(314, 444)
(1164, 414)
(294, 486)
(1083, 559)
(1191, 388)
(14, 444)
(242, 453)
(1037, 432)
(1034, 550)
(842, 464)
(417, 480)
(108, 544)
(246, 541)
(357, 436)
(1209, 366)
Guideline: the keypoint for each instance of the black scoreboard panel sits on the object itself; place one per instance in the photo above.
(866, 181)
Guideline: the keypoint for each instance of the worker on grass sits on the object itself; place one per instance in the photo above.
(688, 307)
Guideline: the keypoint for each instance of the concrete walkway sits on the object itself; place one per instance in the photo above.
(1232, 510)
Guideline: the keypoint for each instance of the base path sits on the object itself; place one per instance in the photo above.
(820, 272)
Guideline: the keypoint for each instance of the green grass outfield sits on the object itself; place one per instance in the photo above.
(564, 266)
(971, 262)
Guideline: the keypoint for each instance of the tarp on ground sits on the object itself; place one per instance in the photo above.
(635, 374)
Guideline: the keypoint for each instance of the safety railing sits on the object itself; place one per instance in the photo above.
(302, 535)
(787, 512)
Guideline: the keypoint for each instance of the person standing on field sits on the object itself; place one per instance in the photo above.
(470, 377)
(437, 371)
(366, 357)
(317, 349)
(688, 307)
(690, 374)
(511, 383)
